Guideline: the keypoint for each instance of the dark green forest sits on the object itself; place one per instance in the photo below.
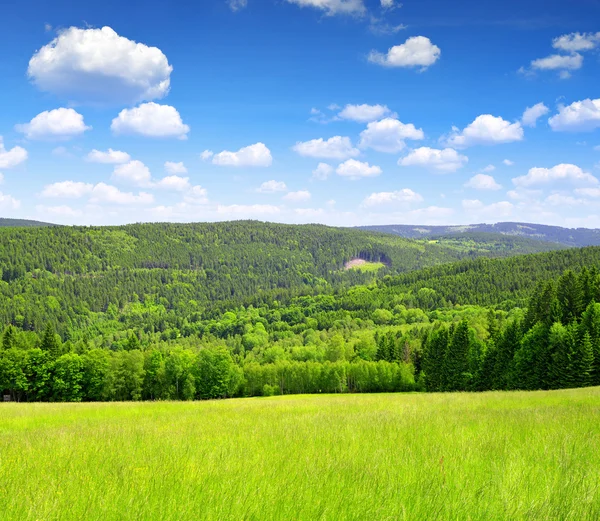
(167, 311)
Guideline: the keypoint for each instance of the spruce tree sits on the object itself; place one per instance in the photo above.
(583, 361)
(591, 324)
(456, 364)
(433, 364)
(8, 339)
(562, 348)
(49, 342)
(570, 297)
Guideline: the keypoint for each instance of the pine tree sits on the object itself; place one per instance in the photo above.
(50, 343)
(433, 364)
(456, 364)
(570, 297)
(8, 340)
(583, 361)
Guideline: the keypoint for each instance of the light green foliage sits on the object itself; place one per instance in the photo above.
(442, 457)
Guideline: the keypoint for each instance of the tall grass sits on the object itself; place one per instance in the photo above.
(512, 456)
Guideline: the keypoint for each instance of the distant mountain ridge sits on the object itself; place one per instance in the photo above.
(572, 237)
(16, 223)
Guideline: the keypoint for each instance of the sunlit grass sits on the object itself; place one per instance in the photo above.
(512, 456)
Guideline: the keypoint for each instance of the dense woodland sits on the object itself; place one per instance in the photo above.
(247, 309)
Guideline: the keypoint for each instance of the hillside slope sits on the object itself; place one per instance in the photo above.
(571, 237)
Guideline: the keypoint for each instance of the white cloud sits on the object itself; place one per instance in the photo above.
(562, 172)
(236, 5)
(173, 182)
(197, 195)
(388, 4)
(429, 215)
(486, 130)
(588, 192)
(443, 161)
(508, 162)
(175, 168)
(253, 155)
(248, 210)
(337, 147)
(8, 202)
(109, 157)
(364, 113)
(417, 51)
(388, 135)
(571, 62)
(378, 25)
(135, 172)
(489, 168)
(13, 157)
(207, 155)
(297, 197)
(492, 211)
(333, 7)
(322, 172)
(578, 116)
(269, 187)
(59, 124)
(310, 212)
(103, 193)
(150, 120)
(404, 196)
(577, 42)
(67, 190)
(353, 169)
(564, 200)
(483, 182)
(99, 66)
(532, 114)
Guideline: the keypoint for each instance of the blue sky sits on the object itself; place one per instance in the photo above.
(343, 112)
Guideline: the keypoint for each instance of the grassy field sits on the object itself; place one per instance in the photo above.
(512, 456)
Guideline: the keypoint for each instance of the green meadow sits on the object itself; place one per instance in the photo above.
(490, 456)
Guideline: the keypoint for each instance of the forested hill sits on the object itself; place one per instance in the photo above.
(571, 237)
(22, 223)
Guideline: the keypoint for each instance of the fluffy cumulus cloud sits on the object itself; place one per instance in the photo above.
(337, 147)
(322, 172)
(475, 207)
(135, 172)
(532, 114)
(563, 172)
(173, 183)
(150, 120)
(578, 116)
(111, 156)
(486, 130)
(577, 42)
(483, 182)
(13, 157)
(404, 196)
(353, 169)
(270, 187)
(333, 7)
(417, 51)
(99, 66)
(443, 161)
(571, 62)
(8, 202)
(54, 124)
(388, 135)
(207, 155)
(508, 162)
(197, 195)
(103, 193)
(297, 197)
(175, 168)
(364, 113)
(588, 192)
(253, 155)
(67, 190)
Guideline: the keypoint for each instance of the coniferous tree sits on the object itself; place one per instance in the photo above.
(508, 344)
(433, 364)
(456, 364)
(8, 339)
(583, 361)
(570, 297)
(49, 342)
(590, 323)
(562, 340)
